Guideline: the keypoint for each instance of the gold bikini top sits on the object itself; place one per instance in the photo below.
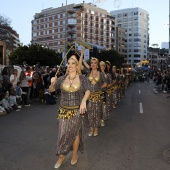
(72, 88)
(93, 80)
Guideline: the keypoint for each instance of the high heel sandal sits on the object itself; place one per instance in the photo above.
(74, 162)
(95, 132)
(57, 165)
(91, 132)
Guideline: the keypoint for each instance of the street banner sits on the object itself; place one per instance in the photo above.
(86, 54)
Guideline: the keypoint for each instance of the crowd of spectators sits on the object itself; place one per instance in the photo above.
(161, 81)
(21, 89)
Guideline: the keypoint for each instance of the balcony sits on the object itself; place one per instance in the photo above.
(72, 22)
(70, 39)
(71, 31)
(71, 11)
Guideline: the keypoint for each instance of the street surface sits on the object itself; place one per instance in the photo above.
(135, 138)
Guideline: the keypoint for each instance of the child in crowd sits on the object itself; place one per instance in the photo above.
(5, 103)
(12, 100)
(19, 93)
(2, 111)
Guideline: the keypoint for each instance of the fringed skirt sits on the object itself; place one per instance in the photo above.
(94, 110)
(107, 107)
(68, 130)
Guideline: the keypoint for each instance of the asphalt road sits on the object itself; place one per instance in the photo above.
(137, 136)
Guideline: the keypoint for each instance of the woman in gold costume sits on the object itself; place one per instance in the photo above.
(97, 82)
(107, 103)
(74, 94)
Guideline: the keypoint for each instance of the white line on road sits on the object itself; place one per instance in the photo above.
(140, 108)
(139, 92)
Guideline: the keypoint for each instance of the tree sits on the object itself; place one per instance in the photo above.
(35, 53)
(5, 31)
(113, 56)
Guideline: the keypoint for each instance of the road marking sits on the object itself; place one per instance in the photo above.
(139, 92)
(140, 108)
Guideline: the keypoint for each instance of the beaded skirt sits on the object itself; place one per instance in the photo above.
(68, 130)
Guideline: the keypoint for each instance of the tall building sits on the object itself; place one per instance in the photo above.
(9, 41)
(135, 21)
(81, 22)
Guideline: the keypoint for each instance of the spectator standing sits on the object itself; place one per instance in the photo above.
(24, 80)
(14, 78)
(6, 80)
(29, 73)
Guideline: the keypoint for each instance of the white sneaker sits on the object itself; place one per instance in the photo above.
(19, 107)
(17, 110)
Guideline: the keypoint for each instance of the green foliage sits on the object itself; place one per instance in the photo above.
(113, 56)
(35, 53)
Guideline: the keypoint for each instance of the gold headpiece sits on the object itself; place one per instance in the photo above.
(102, 63)
(73, 57)
(108, 62)
(93, 58)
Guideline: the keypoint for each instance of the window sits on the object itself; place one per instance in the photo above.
(72, 21)
(119, 15)
(137, 40)
(136, 13)
(137, 50)
(137, 34)
(125, 20)
(125, 15)
(35, 28)
(58, 15)
(119, 20)
(34, 34)
(137, 56)
(34, 22)
(135, 18)
(64, 15)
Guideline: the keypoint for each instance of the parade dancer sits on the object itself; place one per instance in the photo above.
(107, 103)
(97, 83)
(74, 94)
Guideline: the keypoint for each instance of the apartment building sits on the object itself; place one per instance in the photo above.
(135, 21)
(75, 22)
(9, 41)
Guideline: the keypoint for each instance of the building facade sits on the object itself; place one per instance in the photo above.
(135, 21)
(10, 38)
(75, 22)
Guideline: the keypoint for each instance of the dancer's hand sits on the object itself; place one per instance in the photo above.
(83, 108)
(53, 80)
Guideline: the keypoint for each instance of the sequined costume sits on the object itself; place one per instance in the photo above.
(94, 108)
(107, 105)
(70, 120)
